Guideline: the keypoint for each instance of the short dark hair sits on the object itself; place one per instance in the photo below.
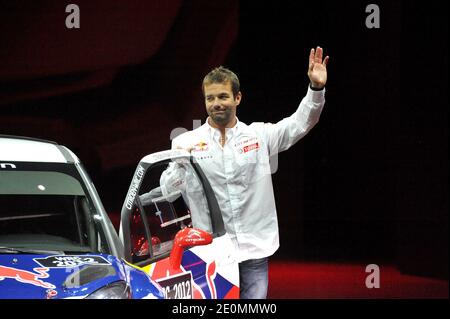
(222, 75)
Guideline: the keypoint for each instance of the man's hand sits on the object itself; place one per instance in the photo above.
(317, 70)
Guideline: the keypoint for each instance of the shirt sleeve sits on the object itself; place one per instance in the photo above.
(282, 135)
(182, 141)
(173, 178)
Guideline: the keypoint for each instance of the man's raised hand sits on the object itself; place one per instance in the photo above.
(317, 70)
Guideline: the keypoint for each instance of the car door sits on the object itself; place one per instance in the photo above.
(172, 227)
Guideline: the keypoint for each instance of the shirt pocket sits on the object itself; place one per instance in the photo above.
(252, 164)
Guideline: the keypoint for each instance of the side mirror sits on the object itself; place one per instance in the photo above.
(187, 237)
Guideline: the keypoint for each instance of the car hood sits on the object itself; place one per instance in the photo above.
(26, 276)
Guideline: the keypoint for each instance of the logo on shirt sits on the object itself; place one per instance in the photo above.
(249, 148)
(246, 140)
(200, 147)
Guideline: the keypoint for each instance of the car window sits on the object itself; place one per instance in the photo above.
(171, 197)
(48, 210)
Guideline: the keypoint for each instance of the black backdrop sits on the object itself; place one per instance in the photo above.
(373, 175)
(370, 181)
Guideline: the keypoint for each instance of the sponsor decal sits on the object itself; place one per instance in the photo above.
(249, 148)
(203, 157)
(65, 261)
(200, 151)
(246, 140)
(27, 277)
(178, 183)
(51, 293)
(134, 186)
(200, 147)
(177, 287)
(176, 155)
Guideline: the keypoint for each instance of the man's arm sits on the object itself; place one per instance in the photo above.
(174, 176)
(287, 132)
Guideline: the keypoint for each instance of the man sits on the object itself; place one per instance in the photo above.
(235, 158)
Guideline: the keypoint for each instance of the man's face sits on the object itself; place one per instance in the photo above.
(220, 103)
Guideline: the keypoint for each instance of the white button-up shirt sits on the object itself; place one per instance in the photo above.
(240, 172)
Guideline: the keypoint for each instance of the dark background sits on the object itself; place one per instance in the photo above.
(368, 183)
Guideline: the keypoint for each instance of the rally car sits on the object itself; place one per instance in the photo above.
(57, 241)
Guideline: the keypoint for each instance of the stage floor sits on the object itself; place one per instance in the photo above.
(308, 280)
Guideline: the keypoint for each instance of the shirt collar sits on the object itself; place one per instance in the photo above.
(214, 133)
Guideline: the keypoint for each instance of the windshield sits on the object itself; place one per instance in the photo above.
(48, 210)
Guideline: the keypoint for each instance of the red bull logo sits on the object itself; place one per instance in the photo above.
(27, 277)
(202, 146)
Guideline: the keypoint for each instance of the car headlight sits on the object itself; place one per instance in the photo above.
(116, 290)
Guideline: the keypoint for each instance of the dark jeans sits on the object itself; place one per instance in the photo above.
(254, 278)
